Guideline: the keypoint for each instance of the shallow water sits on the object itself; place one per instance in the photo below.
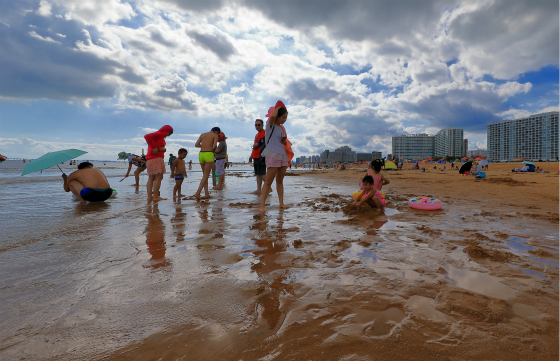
(82, 282)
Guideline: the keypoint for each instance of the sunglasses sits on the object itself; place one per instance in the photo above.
(258, 125)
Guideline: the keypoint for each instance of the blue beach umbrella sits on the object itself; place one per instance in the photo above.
(527, 162)
(51, 159)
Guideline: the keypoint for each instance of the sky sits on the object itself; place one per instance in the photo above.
(99, 74)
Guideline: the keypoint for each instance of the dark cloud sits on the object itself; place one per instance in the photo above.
(158, 37)
(130, 76)
(426, 75)
(306, 89)
(31, 68)
(198, 5)
(141, 45)
(358, 19)
(442, 113)
(216, 43)
(361, 128)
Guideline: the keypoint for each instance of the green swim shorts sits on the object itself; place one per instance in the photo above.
(206, 157)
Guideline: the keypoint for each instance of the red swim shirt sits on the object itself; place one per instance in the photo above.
(157, 140)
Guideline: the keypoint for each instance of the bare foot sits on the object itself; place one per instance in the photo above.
(174, 196)
(149, 199)
(196, 195)
(82, 202)
(158, 198)
(135, 185)
(262, 210)
(218, 189)
(181, 195)
(283, 206)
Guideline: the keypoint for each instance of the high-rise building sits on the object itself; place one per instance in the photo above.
(449, 143)
(324, 156)
(534, 137)
(413, 146)
(465, 147)
(376, 155)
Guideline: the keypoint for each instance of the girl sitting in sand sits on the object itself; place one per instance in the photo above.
(370, 195)
(374, 171)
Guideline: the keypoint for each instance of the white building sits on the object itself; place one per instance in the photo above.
(413, 146)
(534, 137)
(449, 143)
(475, 152)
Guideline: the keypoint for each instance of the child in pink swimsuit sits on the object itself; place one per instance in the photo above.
(370, 195)
(374, 171)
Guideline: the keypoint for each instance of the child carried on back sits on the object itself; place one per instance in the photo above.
(370, 195)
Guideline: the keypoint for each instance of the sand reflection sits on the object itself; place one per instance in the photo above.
(155, 238)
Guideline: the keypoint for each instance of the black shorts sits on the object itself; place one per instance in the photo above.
(259, 169)
(96, 195)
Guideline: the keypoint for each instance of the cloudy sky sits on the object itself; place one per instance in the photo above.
(98, 74)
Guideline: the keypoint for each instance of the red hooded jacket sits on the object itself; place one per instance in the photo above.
(157, 140)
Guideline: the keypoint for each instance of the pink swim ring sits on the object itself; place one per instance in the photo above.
(426, 203)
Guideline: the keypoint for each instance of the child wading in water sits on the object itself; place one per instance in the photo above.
(179, 172)
(370, 195)
(155, 163)
(374, 171)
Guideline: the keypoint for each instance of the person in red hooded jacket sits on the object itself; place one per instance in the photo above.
(154, 161)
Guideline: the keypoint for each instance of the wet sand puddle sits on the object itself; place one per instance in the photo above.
(217, 280)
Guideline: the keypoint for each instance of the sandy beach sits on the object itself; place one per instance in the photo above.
(322, 280)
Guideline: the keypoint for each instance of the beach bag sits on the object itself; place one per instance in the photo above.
(288, 145)
(262, 159)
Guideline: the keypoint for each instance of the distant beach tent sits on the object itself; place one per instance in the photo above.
(390, 165)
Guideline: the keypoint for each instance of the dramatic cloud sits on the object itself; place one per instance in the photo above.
(352, 73)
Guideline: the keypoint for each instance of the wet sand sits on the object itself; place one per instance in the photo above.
(217, 280)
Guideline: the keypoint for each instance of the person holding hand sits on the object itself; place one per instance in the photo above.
(155, 163)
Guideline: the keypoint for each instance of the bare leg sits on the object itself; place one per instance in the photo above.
(149, 187)
(280, 186)
(179, 189)
(374, 202)
(76, 187)
(137, 175)
(270, 175)
(206, 169)
(220, 184)
(157, 185)
(259, 185)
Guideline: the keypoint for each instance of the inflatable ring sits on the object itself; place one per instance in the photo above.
(426, 203)
(357, 193)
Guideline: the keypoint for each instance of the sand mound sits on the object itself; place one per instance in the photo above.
(474, 306)
(475, 250)
(506, 181)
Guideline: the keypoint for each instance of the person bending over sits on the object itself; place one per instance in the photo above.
(179, 172)
(207, 142)
(140, 163)
(370, 195)
(87, 184)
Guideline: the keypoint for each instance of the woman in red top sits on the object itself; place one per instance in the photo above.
(260, 169)
(155, 163)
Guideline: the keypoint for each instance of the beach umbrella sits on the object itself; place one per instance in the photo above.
(465, 158)
(465, 167)
(527, 162)
(51, 159)
(478, 159)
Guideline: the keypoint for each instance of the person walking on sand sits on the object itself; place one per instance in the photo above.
(258, 166)
(220, 157)
(154, 161)
(179, 172)
(207, 142)
(87, 184)
(277, 153)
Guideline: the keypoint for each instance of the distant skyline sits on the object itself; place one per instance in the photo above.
(97, 75)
